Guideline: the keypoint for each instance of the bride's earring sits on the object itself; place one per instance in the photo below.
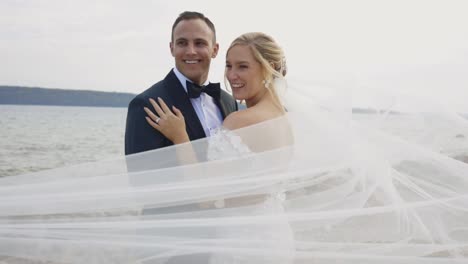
(266, 83)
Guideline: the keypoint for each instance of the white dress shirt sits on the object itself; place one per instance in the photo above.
(207, 111)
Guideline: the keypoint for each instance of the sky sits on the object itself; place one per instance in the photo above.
(375, 50)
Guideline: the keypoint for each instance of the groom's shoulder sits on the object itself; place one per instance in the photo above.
(157, 89)
(146, 94)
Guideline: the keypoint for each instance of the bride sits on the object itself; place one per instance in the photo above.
(306, 185)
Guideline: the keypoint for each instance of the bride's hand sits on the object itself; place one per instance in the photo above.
(170, 124)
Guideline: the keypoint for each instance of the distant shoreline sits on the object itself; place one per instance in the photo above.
(18, 95)
(58, 105)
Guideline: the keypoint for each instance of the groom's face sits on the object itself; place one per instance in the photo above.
(193, 48)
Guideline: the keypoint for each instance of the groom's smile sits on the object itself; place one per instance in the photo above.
(192, 61)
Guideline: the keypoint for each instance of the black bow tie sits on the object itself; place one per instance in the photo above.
(212, 89)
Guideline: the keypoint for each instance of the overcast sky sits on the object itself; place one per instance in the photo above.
(389, 48)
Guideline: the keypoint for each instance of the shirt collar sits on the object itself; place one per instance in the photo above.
(183, 80)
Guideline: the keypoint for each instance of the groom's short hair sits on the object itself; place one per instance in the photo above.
(188, 15)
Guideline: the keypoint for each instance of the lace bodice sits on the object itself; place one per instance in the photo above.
(224, 143)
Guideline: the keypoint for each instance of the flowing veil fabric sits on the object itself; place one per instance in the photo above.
(319, 185)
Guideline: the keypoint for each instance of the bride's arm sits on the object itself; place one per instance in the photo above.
(172, 125)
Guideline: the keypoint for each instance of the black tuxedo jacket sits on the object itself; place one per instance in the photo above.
(140, 136)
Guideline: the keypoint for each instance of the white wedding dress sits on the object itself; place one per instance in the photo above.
(274, 235)
(380, 188)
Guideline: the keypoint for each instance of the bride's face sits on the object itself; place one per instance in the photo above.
(244, 73)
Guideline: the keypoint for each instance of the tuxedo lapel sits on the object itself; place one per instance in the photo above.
(182, 101)
(222, 107)
(226, 104)
(219, 102)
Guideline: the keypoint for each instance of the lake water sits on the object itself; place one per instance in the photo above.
(34, 138)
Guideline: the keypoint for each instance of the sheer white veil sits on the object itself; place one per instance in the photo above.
(374, 187)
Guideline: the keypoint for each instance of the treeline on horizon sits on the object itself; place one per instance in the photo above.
(19, 95)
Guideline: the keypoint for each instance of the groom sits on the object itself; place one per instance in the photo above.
(204, 105)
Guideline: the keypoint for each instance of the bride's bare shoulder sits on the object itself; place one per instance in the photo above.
(241, 119)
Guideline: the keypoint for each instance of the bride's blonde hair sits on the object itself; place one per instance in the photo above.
(270, 56)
